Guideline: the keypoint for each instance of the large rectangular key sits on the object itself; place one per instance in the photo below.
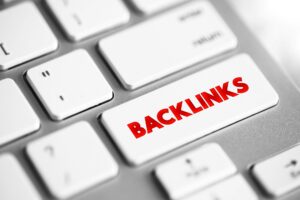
(188, 109)
(167, 43)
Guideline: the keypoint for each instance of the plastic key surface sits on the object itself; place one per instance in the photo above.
(151, 6)
(24, 35)
(234, 188)
(194, 170)
(14, 184)
(72, 160)
(167, 43)
(69, 84)
(189, 109)
(280, 174)
(81, 19)
(17, 118)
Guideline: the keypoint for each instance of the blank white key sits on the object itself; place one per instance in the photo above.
(150, 6)
(235, 188)
(6, 1)
(14, 184)
(167, 43)
(72, 160)
(24, 35)
(17, 118)
(69, 84)
(281, 173)
(81, 18)
(189, 109)
(194, 170)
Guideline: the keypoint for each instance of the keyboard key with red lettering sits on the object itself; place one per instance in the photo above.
(188, 109)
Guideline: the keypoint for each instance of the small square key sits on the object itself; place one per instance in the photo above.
(72, 160)
(69, 84)
(81, 19)
(14, 184)
(24, 35)
(17, 118)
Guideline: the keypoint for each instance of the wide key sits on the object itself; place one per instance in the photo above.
(167, 43)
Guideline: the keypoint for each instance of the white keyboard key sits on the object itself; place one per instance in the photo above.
(151, 6)
(69, 84)
(72, 160)
(167, 43)
(24, 36)
(81, 18)
(17, 118)
(188, 109)
(6, 1)
(281, 173)
(235, 188)
(194, 170)
(14, 184)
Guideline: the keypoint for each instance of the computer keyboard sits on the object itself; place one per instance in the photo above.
(112, 100)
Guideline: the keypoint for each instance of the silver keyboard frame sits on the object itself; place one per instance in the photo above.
(246, 142)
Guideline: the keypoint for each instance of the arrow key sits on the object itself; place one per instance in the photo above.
(279, 174)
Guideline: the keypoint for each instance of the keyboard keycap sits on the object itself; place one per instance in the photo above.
(72, 160)
(17, 118)
(235, 188)
(6, 1)
(69, 84)
(195, 170)
(14, 184)
(281, 173)
(167, 43)
(81, 19)
(151, 6)
(188, 109)
(24, 35)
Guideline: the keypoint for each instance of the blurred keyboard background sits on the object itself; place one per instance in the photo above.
(276, 24)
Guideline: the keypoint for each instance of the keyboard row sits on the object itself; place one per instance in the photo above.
(204, 173)
(148, 132)
(164, 44)
(218, 100)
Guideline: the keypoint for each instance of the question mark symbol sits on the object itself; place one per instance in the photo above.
(49, 150)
